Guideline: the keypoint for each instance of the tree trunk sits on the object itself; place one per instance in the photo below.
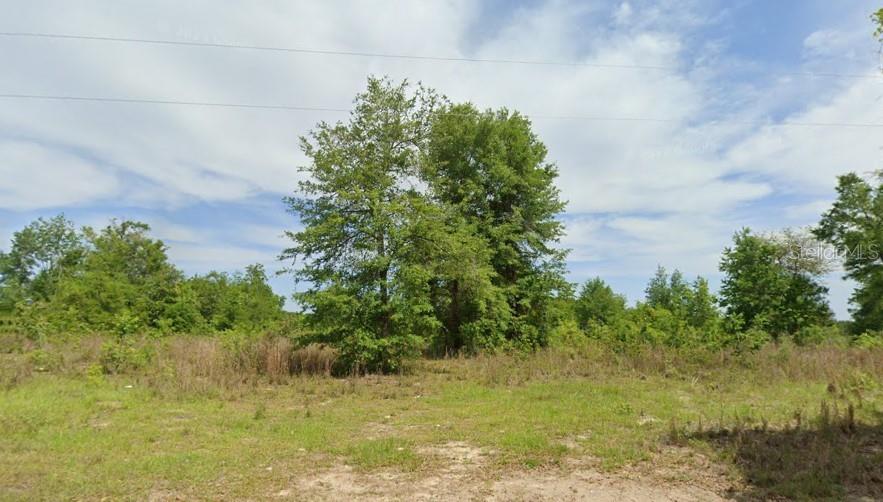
(384, 288)
(454, 318)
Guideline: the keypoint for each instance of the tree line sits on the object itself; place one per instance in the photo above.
(56, 278)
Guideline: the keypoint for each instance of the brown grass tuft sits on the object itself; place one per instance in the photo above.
(314, 359)
(276, 358)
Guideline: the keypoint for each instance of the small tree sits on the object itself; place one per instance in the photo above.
(226, 301)
(766, 287)
(701, 305)
(671, 293)
(690, 305)
(597, 303)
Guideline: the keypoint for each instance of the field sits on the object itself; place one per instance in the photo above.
(787, 421)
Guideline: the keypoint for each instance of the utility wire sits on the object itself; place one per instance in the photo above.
(97, 99)
(326, 52)
(49, 97)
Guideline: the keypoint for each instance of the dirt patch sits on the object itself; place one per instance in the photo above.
(164, 496)
(460, 471)
(583, 485)
(456, 456)
(457, 473)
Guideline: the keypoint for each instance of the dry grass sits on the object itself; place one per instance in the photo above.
(772, 363)
(204, 364)
(276, 359)
(196, 365)
(188, 364)
(314, 359)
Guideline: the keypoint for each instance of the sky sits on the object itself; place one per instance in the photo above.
(713, 84)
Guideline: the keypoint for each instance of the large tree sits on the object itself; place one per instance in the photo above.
(854, 226)
(370, 235)
(773, 283)
(492, 168)
(426, 222)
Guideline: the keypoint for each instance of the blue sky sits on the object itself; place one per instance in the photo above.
(642, 194)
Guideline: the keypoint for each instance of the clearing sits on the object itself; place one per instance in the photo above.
(786, 422)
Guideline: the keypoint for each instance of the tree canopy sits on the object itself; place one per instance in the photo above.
(40, 255)
(854, 226)
(766, 286)
(491, 168)
(877, 17)
(433, 227)
(598, 303)
(425, 224)
(119, 279)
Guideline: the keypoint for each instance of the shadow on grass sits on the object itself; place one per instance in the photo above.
(834, 459)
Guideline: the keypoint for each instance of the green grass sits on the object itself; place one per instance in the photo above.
(384, 452)
(117, 437)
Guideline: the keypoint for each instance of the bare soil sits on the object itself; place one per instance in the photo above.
(464, 472)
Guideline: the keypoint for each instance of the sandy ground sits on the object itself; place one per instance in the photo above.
(462, 474)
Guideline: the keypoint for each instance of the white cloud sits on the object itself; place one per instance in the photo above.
(172, 155)
(808, 212)
(809, 158)
(829, 43)
(635, 245)
(201, 258)
(823, 42)
(623, 13)
(34, 176)
(171, 232)
(267, 235)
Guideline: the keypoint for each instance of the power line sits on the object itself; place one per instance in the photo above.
(96, 99)
(210, 104)
(328, 52)
(325, 51)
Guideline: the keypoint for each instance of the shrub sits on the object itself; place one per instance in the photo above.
(816, 334)
(125, 324)
(869, 340)
(567, 335)
(44, 360)
(123, 355)
(32, 320)
(361, 352)
(750, 339)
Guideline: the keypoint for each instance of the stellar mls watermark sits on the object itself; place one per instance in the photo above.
(822, 252)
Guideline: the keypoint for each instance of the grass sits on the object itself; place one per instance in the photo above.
(73, 433)
(384, 452)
